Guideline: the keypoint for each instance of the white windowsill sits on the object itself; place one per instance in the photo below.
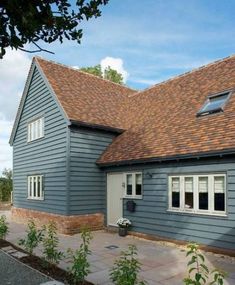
(35, 199)
(36, 139)
(191, 212)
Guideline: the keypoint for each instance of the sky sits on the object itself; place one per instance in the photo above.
(147, 41)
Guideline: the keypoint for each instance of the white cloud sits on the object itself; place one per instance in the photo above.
(5, 149)
(13, 72)
(145, 81)
(114, 63)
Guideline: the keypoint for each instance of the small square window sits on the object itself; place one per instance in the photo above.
(36, 129)
(133, 185)
(214, 104)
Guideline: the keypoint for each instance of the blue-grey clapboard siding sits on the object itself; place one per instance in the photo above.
(151, 215)
(46, 156)
(87, 180)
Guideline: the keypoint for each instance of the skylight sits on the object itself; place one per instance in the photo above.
(214, 104)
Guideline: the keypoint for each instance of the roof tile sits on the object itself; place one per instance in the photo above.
(160, 121)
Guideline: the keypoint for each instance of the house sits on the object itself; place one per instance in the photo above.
(88, 151)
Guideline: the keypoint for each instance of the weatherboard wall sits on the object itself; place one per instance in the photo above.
(87, 180)
(152, 216)
(45, 156)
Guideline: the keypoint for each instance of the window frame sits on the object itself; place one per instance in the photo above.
(32, 190)
(33, 126)
(195, 209)
(133, 196)
(201, 113)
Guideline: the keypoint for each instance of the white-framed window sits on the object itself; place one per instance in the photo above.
(133, 185)
(35, 187)
(202, 193)
(36, 129)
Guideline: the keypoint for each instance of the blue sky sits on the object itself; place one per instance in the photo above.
(148, 41)
(155, 40)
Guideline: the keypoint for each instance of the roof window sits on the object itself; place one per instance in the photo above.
(214, 104)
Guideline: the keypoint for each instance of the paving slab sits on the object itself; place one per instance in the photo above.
(162, 263)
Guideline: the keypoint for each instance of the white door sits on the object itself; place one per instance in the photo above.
(114, 198)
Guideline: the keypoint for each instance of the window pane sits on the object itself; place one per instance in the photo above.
(175, 184)
(41, 127)
(219, 184)
(37, 123)
(129, 184)
(138, 186)
(219, 193)
(30, 186)
(188, 192)
(34, 186)
(175, 195)
(215, 103)
(203, 193)
(39, 186)
(219, 202)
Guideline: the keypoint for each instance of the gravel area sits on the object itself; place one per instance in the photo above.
(13, 272)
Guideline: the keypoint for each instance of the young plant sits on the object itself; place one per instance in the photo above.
(33, 237)
(218, 278)
(126, 268)
(50, 243)
(198, 272)
(80, 265)
(3, 227)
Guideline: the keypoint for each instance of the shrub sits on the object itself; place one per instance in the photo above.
(80, 265)
(126, 268)
(3, 227)
(33, 237)
(198, 272)
(50, 243)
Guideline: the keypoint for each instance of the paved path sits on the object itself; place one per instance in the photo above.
(161, 264)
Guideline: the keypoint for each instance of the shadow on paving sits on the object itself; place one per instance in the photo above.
(12, 272)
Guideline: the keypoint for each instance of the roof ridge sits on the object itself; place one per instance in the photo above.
(183, 74)
(86, 73)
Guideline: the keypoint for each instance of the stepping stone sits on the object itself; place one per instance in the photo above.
(9, 249)
(19, 254)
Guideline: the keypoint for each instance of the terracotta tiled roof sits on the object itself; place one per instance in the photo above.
(161, 121)
(165, 122)
(85, 97)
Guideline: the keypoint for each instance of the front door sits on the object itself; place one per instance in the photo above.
(114, 198)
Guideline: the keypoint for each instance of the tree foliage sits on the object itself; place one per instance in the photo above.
(109, 73)
(23, 21)
(6, 185)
